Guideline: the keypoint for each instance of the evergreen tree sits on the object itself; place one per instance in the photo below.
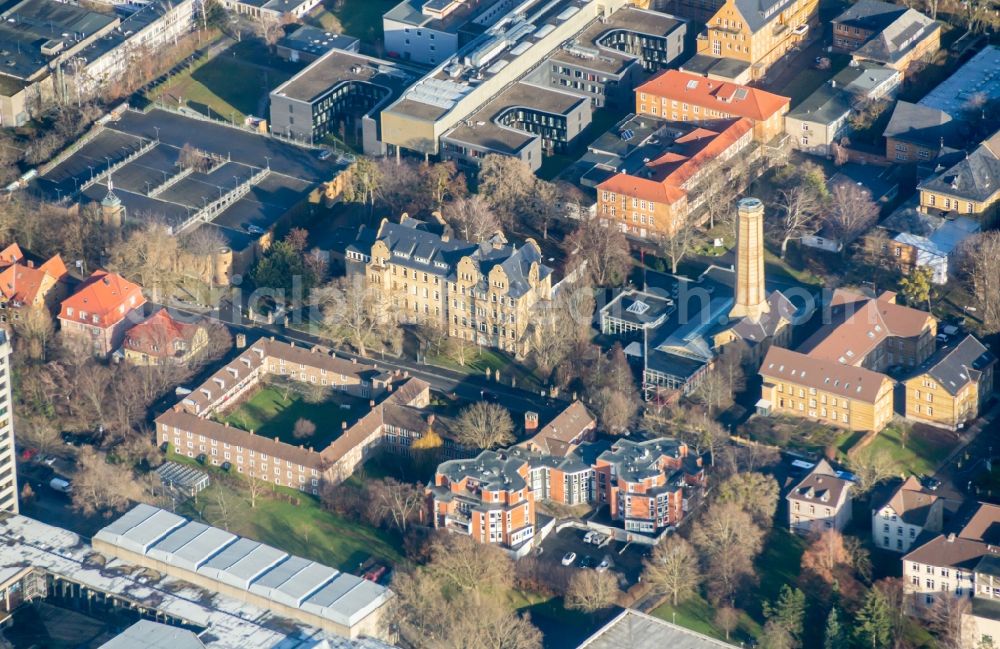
(874, 622)
(834, 637)
(788, 611)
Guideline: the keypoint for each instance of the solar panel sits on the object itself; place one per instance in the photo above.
(627, 135)
(741, 94)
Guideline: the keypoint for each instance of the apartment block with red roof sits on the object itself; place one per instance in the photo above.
(104, 306)
(658, 185)
(163, 339)
(25, 285)
(684, 97)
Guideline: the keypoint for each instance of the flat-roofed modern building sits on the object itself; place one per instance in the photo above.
(248, 571)
(8, 472)
(524, 122)
(607, 59)
(429, 31)
(461, 85)
(340, 93)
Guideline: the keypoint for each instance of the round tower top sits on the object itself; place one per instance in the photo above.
(750, 204)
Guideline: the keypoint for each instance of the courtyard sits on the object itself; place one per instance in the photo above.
(276, 408)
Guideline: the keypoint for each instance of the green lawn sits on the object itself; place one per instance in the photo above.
(778, 564)
(699, 616)
(302, 527)
(477, 361)
(223, 87)
(925, 447)
(269, 413)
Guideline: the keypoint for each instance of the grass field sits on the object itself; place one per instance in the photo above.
(303, 528)
(477, 361)
(224, 87)
(924, 449)
(273, 411)
(359, 18)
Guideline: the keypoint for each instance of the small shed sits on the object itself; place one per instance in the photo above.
(185, 479)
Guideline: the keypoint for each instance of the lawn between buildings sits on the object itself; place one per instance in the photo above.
(273, 410)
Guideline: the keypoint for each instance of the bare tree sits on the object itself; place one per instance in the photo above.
(507, 184)
(728, 541)
(673, 569)
(591, 591)
(303, 429)
(754, 493)
(604, 249)
(149, 256)
(979, 268)
(472, 218)
(615, 410)
(727, 618)
(484, 425)
(871, 467)
(255, 488)
(798, 208)
(400, 502)
(442, 182)
(400, 187)
(678, 244)
(355, 313)
(363, 182)
(33, 325)
(37, 432)
(102, 487)
(851, 213)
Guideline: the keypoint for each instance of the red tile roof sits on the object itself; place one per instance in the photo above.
(106, 296)
(716, 95)
(670, 171)
(158, 334)
(21, 283)
(11, 255)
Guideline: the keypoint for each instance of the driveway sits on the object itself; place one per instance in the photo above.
(626, 558)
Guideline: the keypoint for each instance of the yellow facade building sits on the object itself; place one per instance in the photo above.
(951, 388)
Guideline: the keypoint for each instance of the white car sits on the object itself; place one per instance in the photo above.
(569, 558)
(603, 565)
(589, 537)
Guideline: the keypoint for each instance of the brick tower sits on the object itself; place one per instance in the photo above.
(751, 299)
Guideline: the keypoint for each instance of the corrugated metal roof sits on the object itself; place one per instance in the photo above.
(142, 529)
(191, 546)
(241, 562)
(346, 599)
(293, 581)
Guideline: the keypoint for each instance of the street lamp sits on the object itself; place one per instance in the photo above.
(157, 129)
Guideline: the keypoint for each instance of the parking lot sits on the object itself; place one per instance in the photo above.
(625, 559)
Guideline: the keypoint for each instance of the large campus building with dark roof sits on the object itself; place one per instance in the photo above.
(481, 292)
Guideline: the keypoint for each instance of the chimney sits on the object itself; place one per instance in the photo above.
(750, 299)
(430, 419)
(951, 538)
(343, 425)
(31, 264)
(354, 361)
(530, 420)
(371, 403)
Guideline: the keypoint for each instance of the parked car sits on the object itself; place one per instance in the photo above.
(569, 558)
(931, 483)
(589, 537)
(587, 562)
(604, 565)
(61, 485)
(28, 454)
(376, 573)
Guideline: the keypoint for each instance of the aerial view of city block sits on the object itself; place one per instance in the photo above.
(499, 324)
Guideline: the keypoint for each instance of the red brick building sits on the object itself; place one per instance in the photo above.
(102, 309)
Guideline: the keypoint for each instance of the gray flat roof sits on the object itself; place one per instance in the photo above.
(337, 67)
(249, 565)
(142, 529)
(977, 78)
(347, 599)
(486, 132)
(192, 545)
(153, 635)
(292, 581)
(635, 630)
(610, 60)
(241, 562)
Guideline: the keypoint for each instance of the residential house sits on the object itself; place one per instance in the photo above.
(952, 386)
(970, 187)
(685, 97)
(572, 427)
(837, 376)
(822, 118)
(841, 395)
(885, 33)
(484, 293)
(902, 515)
(97, 315)
(188, 429)
(917, 133)
(163, 339)
(911, 238)
(820, 501)
(492, 497)
(25, 285)
(946, 565)
(743, 39)
(653, 196)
